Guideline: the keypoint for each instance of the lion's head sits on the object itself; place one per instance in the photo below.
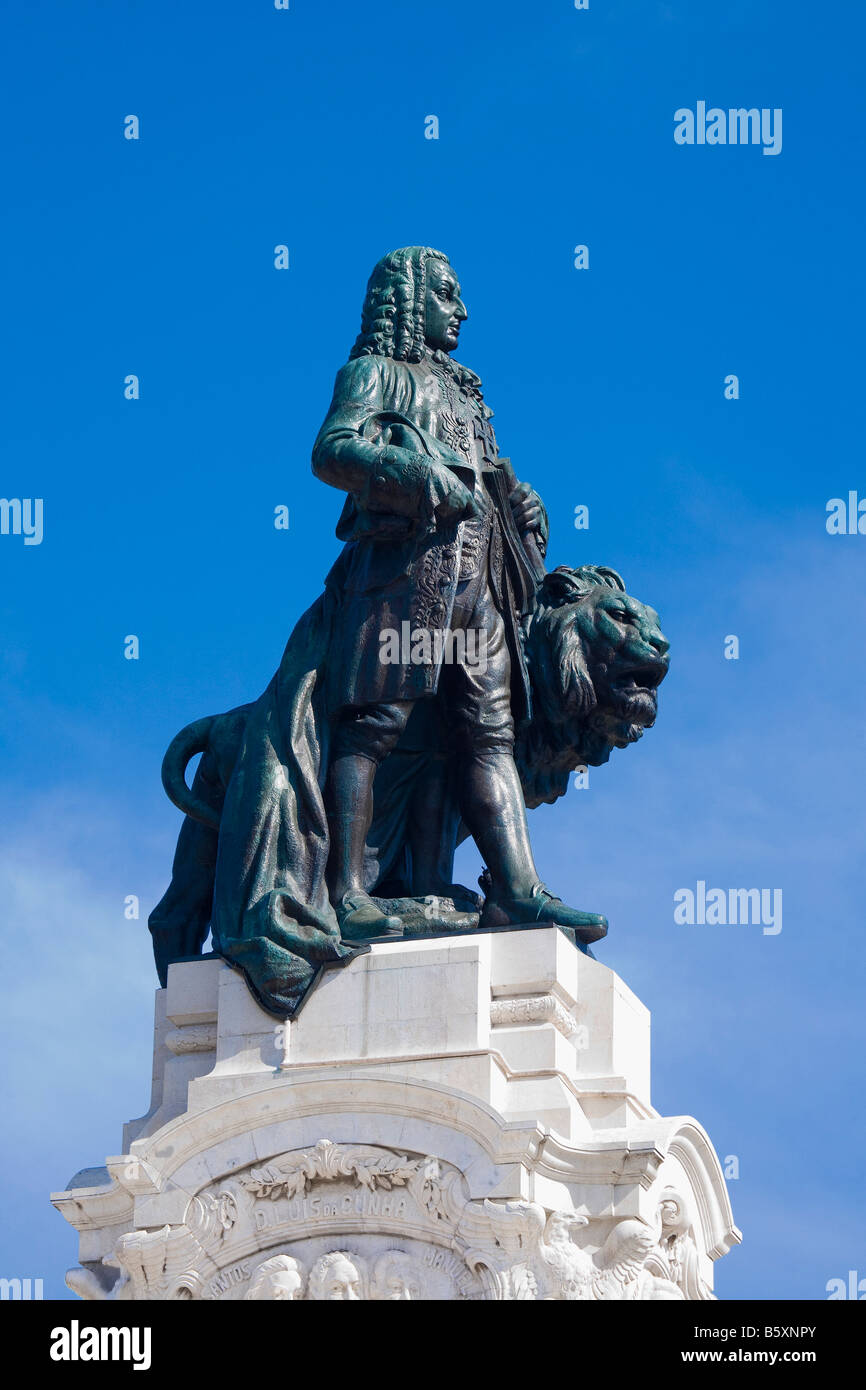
(596, 658)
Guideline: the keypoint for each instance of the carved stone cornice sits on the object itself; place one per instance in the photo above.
(194, 1037)
(534, 1008)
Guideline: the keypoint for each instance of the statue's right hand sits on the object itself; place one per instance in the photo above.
(452, 500)
(412, 484)
(457, 503)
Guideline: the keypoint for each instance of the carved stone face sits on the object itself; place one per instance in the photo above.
(280, 1278)
(401, 1288)
(444, 310)
(285, 1285)
(341, 1283)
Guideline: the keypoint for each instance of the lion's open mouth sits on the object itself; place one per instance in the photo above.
(634, 693)
(641, 679)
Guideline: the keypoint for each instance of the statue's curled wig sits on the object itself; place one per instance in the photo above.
(392, 319)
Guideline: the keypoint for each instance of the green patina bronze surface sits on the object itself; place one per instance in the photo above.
(442, 683)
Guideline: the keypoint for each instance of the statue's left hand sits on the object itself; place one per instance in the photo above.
(526, 508)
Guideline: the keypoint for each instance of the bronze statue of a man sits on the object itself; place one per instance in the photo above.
(442, 537)
(326, 813)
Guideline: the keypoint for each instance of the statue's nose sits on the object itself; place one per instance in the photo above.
(660, 643)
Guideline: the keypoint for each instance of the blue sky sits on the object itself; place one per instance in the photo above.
(155, 257)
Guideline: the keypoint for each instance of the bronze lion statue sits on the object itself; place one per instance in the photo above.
(596, 658)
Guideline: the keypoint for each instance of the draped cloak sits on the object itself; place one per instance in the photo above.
(271, 915)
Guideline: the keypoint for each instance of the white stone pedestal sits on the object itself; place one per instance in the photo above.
(464, 1117)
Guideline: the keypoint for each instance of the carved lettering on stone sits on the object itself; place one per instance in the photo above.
(379, 1176)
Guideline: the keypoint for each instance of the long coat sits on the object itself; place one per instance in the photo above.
(401, 562)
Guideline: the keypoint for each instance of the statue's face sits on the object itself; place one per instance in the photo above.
(286, 1285)
(444, 310)
(401, 1290)
(342, 1283)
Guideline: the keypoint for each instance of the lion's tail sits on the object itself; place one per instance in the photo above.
(191, 740)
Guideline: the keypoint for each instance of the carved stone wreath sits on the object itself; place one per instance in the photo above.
(292, 1175)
